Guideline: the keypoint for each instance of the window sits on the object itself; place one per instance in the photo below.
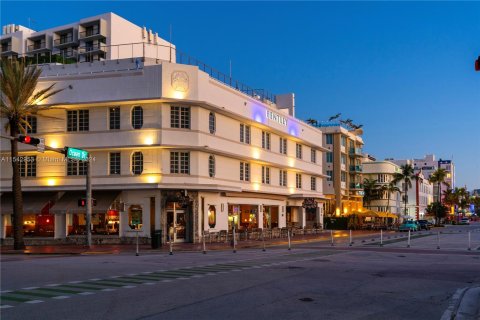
(114, 163)
(313, 156)
(313, 183)
(77, 120)
(211, 166)
(137, 162)
(180, 117)
(32, 121)
(137, 117)
(28, 166)
(76, 168)
(114, 116)
(265, 140)
(329, 138)
(283, 178)
(344, 141)
(244, 171)
(180, 162)
(244, 133)
(329, 157)
(212, 126)
(283, 145)
(343, 176)
(265, 175)
(299, 151)
(343, 159)
(330, 174)
(135, 215)
(298, 180)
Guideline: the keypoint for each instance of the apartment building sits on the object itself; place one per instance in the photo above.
(103, 37)
(384, 173)
(343, 167)
(174, 147)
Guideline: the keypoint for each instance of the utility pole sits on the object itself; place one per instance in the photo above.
(89, 203)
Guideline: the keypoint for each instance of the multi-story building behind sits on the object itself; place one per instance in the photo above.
(383, 172)
(343, 166)
(174, 147)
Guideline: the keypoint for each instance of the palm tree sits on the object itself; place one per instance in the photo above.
(438, 177)
(462, 196)
(19, 100)
(389, 189)
(406, 175)
(311, 121)
(370, 191)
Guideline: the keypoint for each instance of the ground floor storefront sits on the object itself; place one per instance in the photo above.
(119, 216)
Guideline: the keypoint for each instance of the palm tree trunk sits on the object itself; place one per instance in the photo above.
(388, 201)
(18, 243)
(405, 200)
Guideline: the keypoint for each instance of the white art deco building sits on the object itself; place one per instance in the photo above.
(176, 146)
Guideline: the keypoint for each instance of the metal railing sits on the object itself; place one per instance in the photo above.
(61, 41)
(356, 168)
(37, 46)
(354, 185)
(356, 151)
(88, 33)
(6, 48)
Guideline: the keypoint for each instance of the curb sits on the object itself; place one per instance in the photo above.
(464, 305)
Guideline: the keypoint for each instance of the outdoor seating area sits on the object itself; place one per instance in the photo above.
(256, 234)
(372, 220)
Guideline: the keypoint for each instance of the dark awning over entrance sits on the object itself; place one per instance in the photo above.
(33, 202)
(68, 203)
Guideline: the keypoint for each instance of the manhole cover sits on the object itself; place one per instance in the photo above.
(306, 299)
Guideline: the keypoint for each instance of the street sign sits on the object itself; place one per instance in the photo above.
(41, 145)
(76, 154)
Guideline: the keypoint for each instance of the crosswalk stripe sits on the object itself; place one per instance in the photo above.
(36, 294)
(34, 301)
(119, 280)
(58, 290)
(80, 286)
(5, 306)
(104, 284)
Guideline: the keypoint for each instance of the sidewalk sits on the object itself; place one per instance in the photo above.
(465, 305)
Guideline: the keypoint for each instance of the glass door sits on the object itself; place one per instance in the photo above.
(176, 225)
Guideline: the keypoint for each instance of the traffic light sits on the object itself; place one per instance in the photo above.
(38, 142)
(83, 202)
(477, 64)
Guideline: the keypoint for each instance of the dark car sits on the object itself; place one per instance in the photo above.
(424, 224)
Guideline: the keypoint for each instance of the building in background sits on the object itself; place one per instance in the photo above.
(383, 172)
(343, 166)
(176, 146)
(428, 165)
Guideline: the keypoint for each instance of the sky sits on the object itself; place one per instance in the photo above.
(405, 70)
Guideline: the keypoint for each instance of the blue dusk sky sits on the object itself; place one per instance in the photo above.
(405, 70)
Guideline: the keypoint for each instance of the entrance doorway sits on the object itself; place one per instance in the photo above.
(176, 224)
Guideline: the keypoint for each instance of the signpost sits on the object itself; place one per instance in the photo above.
(76, 154)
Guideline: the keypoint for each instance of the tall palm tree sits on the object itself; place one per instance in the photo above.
(389, 189)
(311, 121)
(406, 175)
(462, 196)
(438, 177)
(370, 191)
(18, 84)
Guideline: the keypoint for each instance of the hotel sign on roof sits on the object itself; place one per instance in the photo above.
(277, 118)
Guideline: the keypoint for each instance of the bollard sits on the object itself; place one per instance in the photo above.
(408, 243)
(381, 238)
(289, 243)
(233, 234)
(331, 237)
(263, 240)
(351, 242)
(438, 240)
(136, 253)
(171, 247)
(469, 242)
(203, 240)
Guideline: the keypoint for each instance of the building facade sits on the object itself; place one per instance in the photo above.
(343, 168)
(384, 173)
(172, 149)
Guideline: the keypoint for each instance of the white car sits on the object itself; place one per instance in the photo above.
(464, 221)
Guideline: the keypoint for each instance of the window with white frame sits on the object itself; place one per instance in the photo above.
(114, 118)
(313, 183)
(180, 162)
(329, 138)
(180, 117)
(28, 166)
(283, 145)
(299, 151)
(313, 156)
(343, 159)
(32, 124)
(329, 157)
(137, 162)
(244, 133)
(343, 176)
(114, 163)
(283, 178)
(137, 117)
(265, 175)
(77, 120)
(244, 171)
(298, 180)
(211, 166)
(265, 140)
(330, 175)
(76, 168)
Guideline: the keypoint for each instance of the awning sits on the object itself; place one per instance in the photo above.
(33, 202)
(68, 203)
(368, 213)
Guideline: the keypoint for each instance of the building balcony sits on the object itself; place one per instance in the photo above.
(64, 42)
(93, 49)
(38, 47)
(89, 35)
(356, 151)
(356, 169)
(356, 186)
(7, 50)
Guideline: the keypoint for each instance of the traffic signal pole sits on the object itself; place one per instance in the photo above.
(89, 204)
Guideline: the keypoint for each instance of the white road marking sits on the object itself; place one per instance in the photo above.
(94, 279)
(166, 280)
(86, 293)
(74, 281)
(30, 288)
(149, 283)
(61, 297)
(5, 291)
(34, 301)
(108, 289)
(147, 272)
(53, 285)
(6, 306)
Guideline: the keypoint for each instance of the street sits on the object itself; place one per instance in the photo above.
(312, 281)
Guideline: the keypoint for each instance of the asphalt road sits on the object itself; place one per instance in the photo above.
(312, 281)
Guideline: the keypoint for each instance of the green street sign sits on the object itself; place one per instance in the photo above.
(76, 154)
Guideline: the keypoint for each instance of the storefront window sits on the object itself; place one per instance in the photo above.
(270, 217)
(248, 216)
(102, 223)
(135, 215)
(39, 225)
(212, 216)
(233, 216)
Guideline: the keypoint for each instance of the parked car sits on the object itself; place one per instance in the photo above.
(411, 225)
(424, 224)
(464, 221)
